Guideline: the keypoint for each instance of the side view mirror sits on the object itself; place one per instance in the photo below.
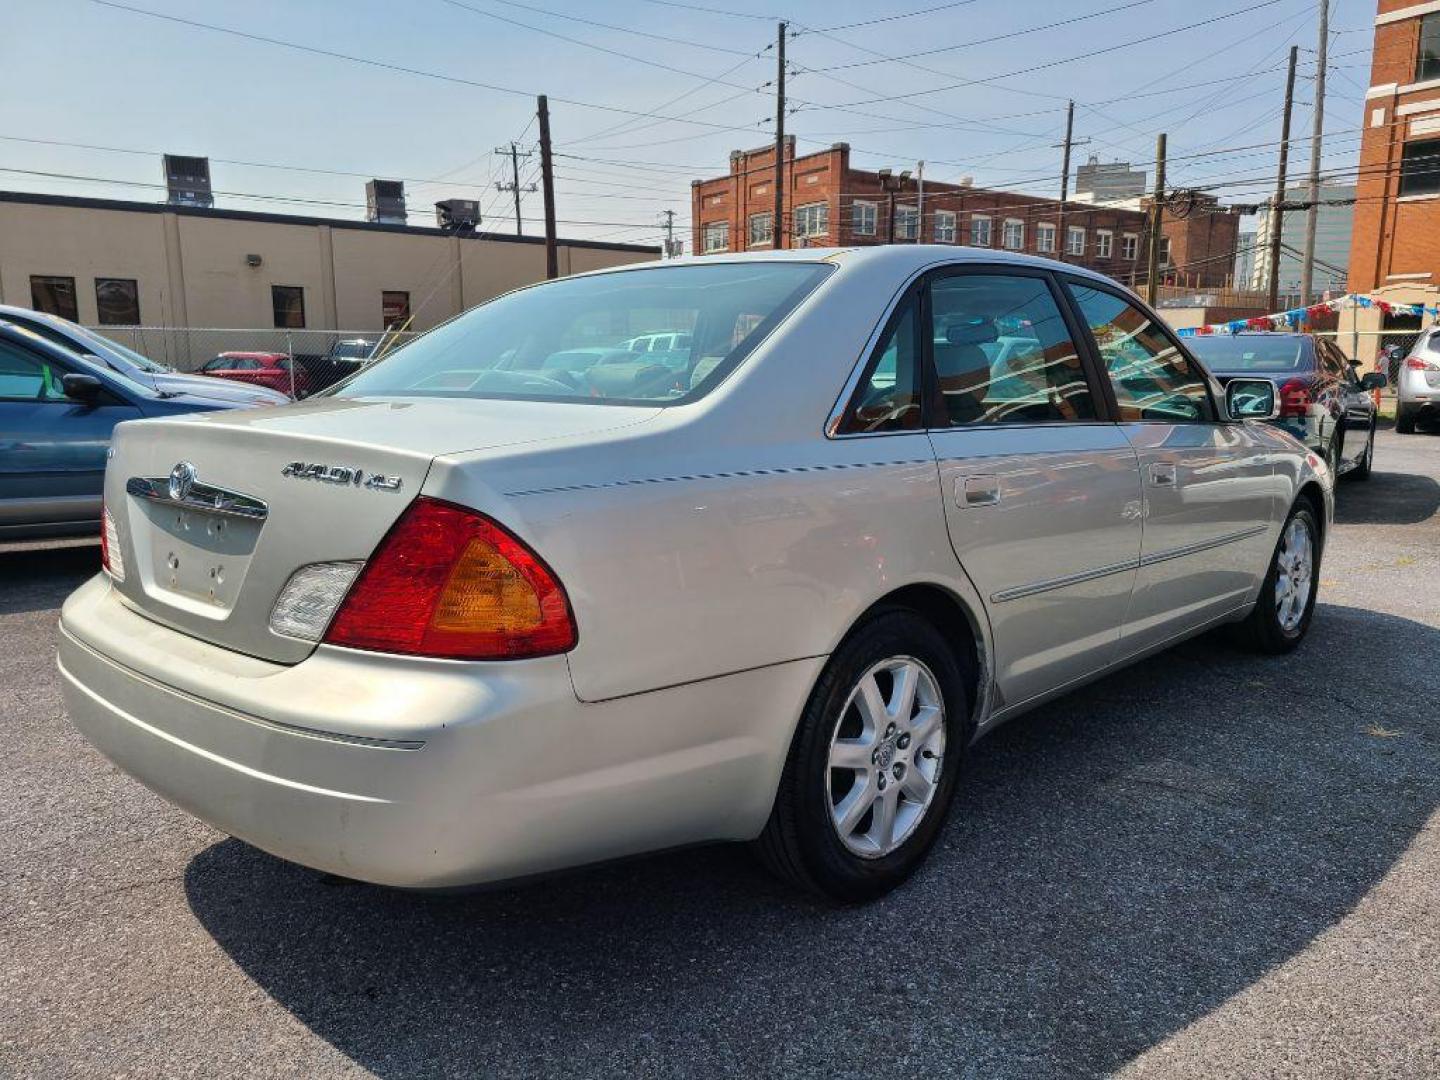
(85, 389)
(1251, 399)
(1374, 380)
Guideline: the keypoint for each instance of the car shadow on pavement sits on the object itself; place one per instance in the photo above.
(1119, 863)
(1387, 498)
(36, 578)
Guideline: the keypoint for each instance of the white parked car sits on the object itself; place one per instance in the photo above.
(474, 616)
(1417, 383)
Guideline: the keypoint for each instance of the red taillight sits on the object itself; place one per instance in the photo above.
(104, 538)
(448, 582)
(1295, 398)
(1415, 363)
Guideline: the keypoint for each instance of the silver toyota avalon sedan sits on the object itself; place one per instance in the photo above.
(521, 597)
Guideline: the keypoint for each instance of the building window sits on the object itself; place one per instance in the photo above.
(289, 304)
(1164, 251)
(117, 301)
(944, 227)
(716, 237)
(1044, 236)
(1427, 62)
(1014, 236)
(1074, 240)
(760, 230)
(862, 219)
(907, 223)
(980, 232)
(394, 309)
(54, 295)
(812, 219)
(1419, 169)
(1129, 246)
(1104, 243)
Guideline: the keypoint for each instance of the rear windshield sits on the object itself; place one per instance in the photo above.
(1257, 353)
(657, 336)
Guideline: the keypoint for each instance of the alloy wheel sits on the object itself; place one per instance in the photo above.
(886, 755)
(1295, 564)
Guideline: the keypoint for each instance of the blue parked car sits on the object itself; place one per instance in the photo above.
(137, 368)
(57, 409)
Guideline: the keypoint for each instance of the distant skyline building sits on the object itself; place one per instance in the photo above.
(1108, 182)
(1333, 228)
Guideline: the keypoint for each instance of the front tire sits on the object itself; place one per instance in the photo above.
(1281, 616)
(873, 765)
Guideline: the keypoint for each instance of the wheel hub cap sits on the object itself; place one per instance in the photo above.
(885, 758)
(1294, 566)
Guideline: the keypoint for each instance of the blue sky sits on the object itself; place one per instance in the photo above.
(74, 71)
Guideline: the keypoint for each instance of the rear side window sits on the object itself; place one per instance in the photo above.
(888, 397)
(575, 339)
(1003, 353)
(1153, 379)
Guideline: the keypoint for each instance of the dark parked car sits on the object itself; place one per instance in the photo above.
(133, 365)
(57, 410)
(1323, 403)
(276, 371)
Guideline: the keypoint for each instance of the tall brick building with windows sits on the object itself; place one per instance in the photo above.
(1396, 239)
(828, 204)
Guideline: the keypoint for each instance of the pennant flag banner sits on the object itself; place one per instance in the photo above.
(1292, 319)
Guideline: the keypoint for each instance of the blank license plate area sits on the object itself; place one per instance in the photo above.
(198, 556)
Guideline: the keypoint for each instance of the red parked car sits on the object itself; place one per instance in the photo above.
(263, 369)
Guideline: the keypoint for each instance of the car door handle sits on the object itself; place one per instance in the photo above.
(977, 491)
(1162, 473)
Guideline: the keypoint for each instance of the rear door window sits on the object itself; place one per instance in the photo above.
(1003, 353)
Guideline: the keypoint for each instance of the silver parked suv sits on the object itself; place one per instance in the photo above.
(1417, 389)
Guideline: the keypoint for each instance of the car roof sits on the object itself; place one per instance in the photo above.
(23, 335)
(243, 355)
(901, 258)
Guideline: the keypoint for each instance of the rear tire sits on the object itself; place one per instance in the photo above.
(1404, 421)
(871, 772)
(1282, 614)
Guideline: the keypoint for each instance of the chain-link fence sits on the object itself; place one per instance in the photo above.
(323, 355)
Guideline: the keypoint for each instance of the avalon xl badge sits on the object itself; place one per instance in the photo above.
(341, 474)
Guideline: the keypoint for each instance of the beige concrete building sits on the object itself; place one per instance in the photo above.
(104, 262)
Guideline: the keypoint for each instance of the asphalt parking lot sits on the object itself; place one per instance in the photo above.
(1208, 865)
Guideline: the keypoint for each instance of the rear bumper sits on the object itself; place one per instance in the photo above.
(423, 773)
(1413, 390)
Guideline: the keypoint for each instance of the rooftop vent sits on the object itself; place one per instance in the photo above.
(458, 215)
(187, 181)
(385, 201)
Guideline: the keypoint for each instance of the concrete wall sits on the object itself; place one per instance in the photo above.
(192, 268)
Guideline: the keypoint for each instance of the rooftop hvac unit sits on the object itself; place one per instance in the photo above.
(458, 215)
(187, 181)
(385, 201)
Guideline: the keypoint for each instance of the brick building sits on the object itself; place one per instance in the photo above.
(1395, 246)
(828, 204)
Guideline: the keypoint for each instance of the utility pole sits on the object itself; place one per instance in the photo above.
(514, 186)
(1157, 210)
(1276, 215)
(777, 222)
(1070, 141)
(1307, 261)
(547, 186)
(919, 202)
(1064, 180)
(669, 234)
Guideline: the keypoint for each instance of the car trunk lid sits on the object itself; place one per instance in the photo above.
(258, 494)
